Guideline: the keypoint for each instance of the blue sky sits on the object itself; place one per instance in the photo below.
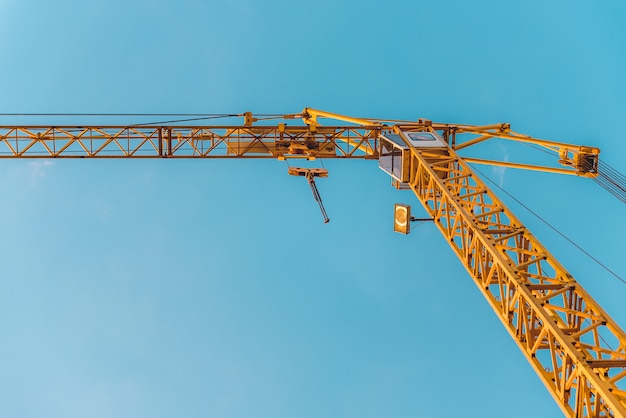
(212, 288)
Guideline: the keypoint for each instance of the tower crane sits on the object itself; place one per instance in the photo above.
(573, 345)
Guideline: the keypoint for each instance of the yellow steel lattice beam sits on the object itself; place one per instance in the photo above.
(188, 142)
(560, 329)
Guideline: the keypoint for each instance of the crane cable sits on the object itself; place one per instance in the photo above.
(165, 122)
(608, 177)
(598, 262)
(188, 117)
(210, 115)
(611, 180)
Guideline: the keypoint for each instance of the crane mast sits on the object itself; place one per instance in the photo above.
(573, 345)
(561, 330)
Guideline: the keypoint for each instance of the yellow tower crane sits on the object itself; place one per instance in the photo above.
(561, 330)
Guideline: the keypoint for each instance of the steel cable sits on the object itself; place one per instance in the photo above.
(611, 180)
(608, 177)
(598, 262)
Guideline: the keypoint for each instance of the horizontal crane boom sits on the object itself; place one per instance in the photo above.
(188, 142)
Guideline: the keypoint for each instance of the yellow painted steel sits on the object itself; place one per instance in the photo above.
(309, 116)
(569, 154)
(561, 330)
(530, 167)
(187, 142)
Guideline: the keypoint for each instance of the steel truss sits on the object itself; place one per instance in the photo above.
(188, 142)
(577, 350)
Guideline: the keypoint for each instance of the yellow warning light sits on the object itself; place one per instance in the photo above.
(402, 218)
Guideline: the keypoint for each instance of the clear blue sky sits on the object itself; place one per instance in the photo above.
(212, 288)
